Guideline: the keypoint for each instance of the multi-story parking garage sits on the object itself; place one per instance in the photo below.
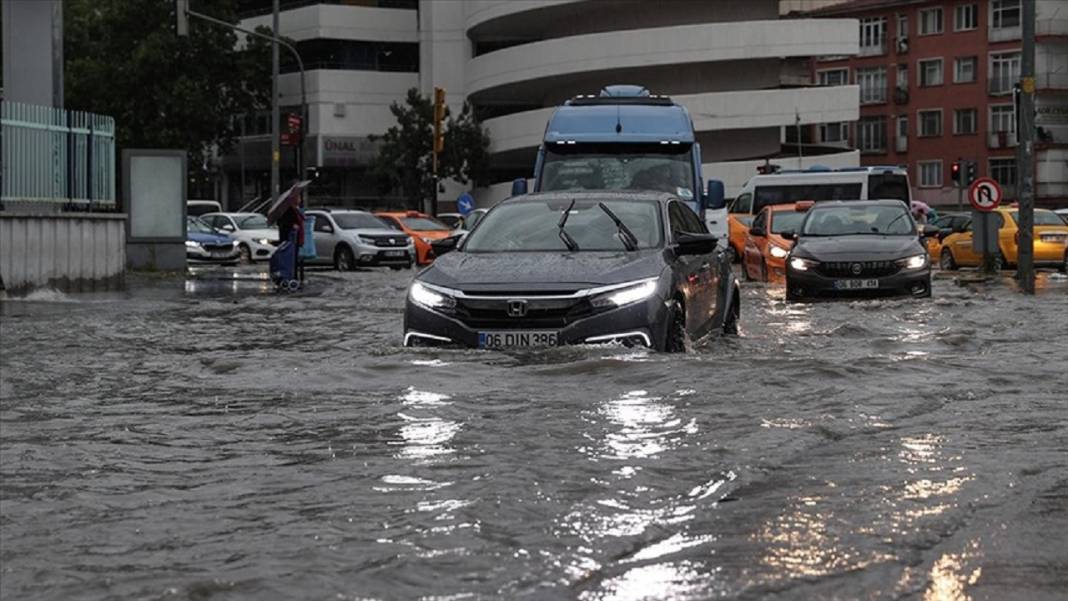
(741, 70)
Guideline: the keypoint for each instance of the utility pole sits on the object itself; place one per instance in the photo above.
(1025, 153)
(275, 117)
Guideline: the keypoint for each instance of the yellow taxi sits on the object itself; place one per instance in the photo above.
(1051, 238)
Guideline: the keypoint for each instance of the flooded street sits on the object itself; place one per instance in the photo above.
(204, 439)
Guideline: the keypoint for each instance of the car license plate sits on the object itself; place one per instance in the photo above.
(516, 339)
(219, 254)
(394, 253)
(856, 284)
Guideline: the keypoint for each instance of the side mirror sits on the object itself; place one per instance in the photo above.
(445, 245)
(789, 235)
(695, 244)
(757, 232)
(519, 186)
(715, 197)
(227, 227)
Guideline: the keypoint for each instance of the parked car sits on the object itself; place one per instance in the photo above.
(1051, 236)
(453, 220)
(423, 229)
(255, 239)
(196, 208)
(765, 250)
(473, 218)
(349, 239)
(1063, 214)
(857, 248)
(203, 244)
(557, 268)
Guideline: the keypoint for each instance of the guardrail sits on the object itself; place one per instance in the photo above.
(56, 156)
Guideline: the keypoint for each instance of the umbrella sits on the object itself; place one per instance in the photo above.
(289, 198)
(920, 208)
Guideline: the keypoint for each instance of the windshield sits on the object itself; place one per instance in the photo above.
(1041, 218)
(852, 220)
(664, 168)
(888, 185)
(359, 221)
(533, 226)
(424, 224)
(196, 225)
(785, 194)
(782, 221)
(251, 222)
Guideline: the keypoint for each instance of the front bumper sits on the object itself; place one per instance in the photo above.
(369, 255)
(261, 252)
(195, 254)
(644, 323)
(811, 284)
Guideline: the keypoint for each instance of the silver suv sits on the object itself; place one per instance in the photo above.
(350, 239)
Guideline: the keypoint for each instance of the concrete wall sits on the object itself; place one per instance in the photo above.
(365, 23)
(68, 251)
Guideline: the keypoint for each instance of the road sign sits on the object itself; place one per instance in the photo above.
(465, 204)
(984, 194)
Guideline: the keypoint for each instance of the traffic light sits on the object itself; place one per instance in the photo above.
(954, 171)
(181, 23)
(439, 118)
(972, 172)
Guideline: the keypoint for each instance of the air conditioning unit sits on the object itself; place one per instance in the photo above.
(902, 45)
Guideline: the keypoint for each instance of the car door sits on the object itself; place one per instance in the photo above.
(700, 272)
(325, 237)
(755, 246)
(962, 247)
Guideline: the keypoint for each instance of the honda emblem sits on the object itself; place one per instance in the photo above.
(517, 308)
(857, 268)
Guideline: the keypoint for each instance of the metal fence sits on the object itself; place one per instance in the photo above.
(57, 156)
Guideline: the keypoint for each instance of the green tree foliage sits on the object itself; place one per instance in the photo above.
(404, 162)
(123, 59)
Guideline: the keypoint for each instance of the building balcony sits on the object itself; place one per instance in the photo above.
(874, 50)
(1002, 139)
(1004, 34)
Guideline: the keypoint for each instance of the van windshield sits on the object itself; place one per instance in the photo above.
(889, 185)
(785, 194)
(659, 167)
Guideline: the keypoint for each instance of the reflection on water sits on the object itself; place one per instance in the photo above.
(423, 435)
(679, 580)
(951, 574)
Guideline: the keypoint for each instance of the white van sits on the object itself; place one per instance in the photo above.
(196, 208)
(784, 187)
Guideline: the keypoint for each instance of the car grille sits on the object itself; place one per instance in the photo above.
(540, 313)
(217, 248)
(389, 241)
(867, 269)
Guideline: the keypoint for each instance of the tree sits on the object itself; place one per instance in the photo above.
(123, 59)
(403, 162)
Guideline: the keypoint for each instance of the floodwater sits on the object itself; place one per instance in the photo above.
(203, 439)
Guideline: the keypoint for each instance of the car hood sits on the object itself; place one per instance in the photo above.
(858, 248)
(208, 238)
(541, 270)
(376, 232)
(268, 234)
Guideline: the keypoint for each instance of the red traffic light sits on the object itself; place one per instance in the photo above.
(956, 167)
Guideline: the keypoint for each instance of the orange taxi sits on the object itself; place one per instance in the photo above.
(765, 250)
(423, 229)
(1051, 241)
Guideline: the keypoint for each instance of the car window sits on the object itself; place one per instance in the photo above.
(252, 222)
(322, 223)
(1041, 218)
(849, 219)
(783, 221)
(691, 221)
(425, 224)
(356, 221)
(743, 204)
(761, 220)
(675, 219)
(391, 222)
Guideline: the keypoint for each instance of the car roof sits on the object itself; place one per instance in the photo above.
(401, 213)
(882, 202)
(593, 196)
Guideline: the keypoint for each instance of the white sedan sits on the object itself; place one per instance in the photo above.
(255, 239)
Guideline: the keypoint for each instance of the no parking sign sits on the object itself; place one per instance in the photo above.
(984, 194)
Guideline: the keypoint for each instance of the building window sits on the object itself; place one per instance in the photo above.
(833, 77)
(931, 21)
(1003, 171)
(902, 26)
(1002, 118)
(966, 17)
(902, 133)
(1004, 72)
(930, 174)
(834, 132)
(930, 72)
(1004, 14)
(930, 123)
(872, 85)
(964, 68)
(872, 36)
(871, 134)
(964, 121)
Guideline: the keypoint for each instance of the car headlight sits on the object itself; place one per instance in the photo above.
(263, 241)
(422, 294)
(913, 262)
(799, 264)
(779, 252)
(365, 239)
(625, 295)
(192, 244)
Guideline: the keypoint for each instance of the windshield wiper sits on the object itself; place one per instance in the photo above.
(566, 237)
(630, 241)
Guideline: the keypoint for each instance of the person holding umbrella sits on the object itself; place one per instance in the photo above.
(287, 214)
